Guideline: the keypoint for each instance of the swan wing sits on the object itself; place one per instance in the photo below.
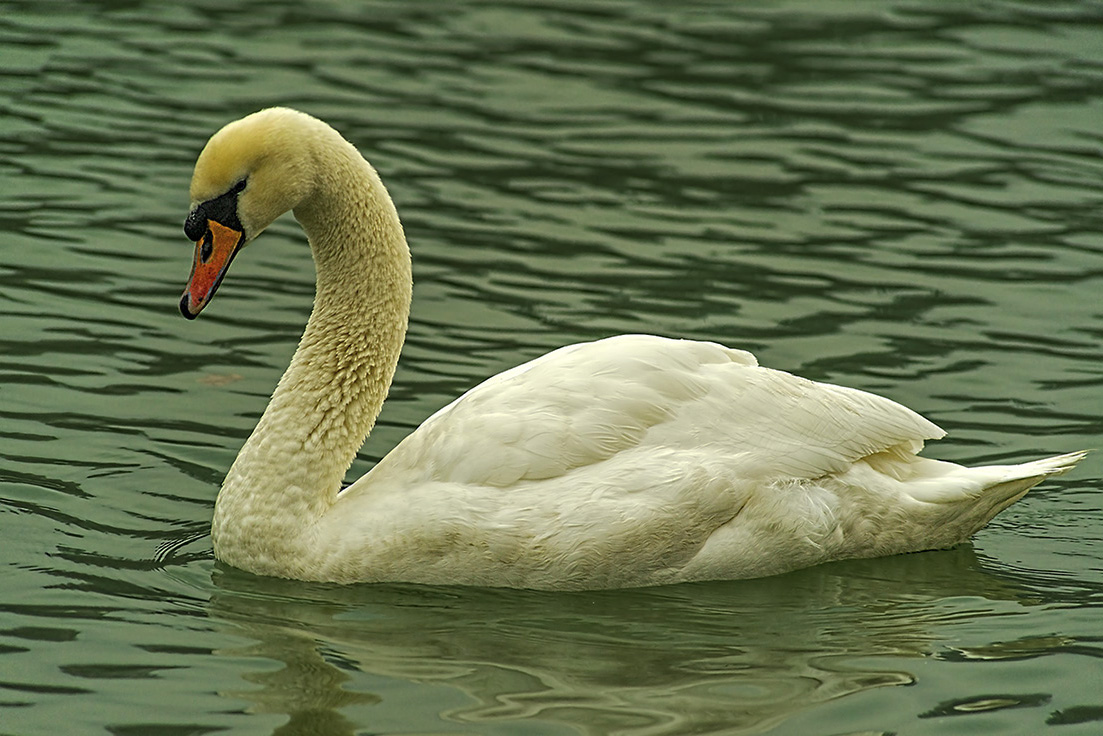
(584, 404)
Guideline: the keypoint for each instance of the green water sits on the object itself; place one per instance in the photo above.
(902, 197)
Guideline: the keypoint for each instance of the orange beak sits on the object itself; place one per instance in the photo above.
(213, 254)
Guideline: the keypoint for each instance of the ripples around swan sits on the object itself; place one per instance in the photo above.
(903, 197)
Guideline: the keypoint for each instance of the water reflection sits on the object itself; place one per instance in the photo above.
(308, 688)
(735, 657)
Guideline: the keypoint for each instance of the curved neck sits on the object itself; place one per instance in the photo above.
(291, 468)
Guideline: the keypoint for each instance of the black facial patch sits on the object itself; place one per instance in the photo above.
(221, 209)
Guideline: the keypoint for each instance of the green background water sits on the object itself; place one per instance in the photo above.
(903, 197)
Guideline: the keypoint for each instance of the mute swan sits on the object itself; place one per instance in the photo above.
(630, 461)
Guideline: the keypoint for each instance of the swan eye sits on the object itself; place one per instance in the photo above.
(239, 187)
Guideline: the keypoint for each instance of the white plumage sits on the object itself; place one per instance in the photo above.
(635, 460)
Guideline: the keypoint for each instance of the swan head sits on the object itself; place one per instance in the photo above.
(249, 173)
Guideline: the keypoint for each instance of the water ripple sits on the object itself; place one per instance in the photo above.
(902, 197)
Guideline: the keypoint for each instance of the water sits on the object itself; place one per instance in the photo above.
(903, 197)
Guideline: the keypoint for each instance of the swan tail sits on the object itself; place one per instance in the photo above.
(950, 503)
(1057, 465)
(1018, 479)
(1021, 478)
(938, 482)
(963, 500)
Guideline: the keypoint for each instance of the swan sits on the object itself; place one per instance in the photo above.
(630, 461)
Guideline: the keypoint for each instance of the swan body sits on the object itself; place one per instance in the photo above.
(630, 461)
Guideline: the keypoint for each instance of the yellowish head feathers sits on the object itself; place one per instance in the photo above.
(272, 151)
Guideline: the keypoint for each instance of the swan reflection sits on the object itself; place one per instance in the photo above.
(737, 657)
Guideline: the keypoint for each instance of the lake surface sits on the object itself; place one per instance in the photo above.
(902, 197)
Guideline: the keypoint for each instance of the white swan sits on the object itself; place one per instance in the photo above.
(630, 461)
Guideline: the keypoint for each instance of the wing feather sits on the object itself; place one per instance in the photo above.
(583, 404)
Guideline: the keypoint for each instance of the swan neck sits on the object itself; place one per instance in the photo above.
(292, 467)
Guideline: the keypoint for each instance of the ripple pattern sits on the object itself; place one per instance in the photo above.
(903, 197)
